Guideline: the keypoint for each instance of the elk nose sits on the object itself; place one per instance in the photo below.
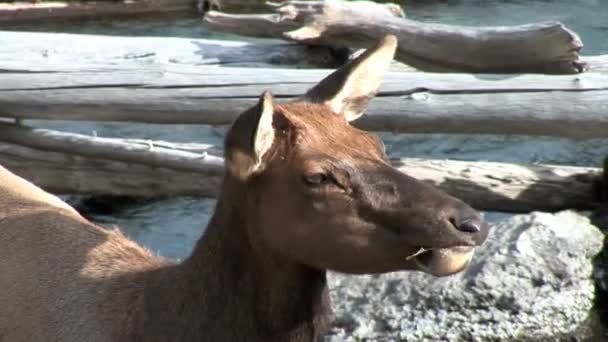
(468, 221)
(469, 226)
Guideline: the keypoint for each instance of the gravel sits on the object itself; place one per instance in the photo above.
(532, 280)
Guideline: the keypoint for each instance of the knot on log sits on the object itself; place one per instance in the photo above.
(301, 10)
(204, 6)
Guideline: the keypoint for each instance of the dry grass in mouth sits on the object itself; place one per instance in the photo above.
(418, 252)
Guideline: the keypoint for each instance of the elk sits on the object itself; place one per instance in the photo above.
(303, 192)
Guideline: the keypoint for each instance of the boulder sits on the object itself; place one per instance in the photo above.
(532, 280)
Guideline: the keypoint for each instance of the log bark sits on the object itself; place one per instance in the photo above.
(70, 163)
(190, 157)
(597, 64)
(36, 11)
(39, 52)
(542, 48)
(571, 106)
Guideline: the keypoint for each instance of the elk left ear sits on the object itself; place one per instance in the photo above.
(349, 89)
(250, 137)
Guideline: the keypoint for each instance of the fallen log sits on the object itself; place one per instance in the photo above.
(189, 157)
(71, 163)
(35, 11)
(571, 106)
(542, 48)
(596, 64)
(37, 52)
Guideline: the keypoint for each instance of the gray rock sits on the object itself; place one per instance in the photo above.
(532, 280)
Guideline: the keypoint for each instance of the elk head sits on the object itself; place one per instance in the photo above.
(322, 193)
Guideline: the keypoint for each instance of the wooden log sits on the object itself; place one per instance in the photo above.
(35, 11)
(71, 163)
(37, 52)
(52, 52)
(543, 47)
(596, 63)
(66, 173)
(508, 187)
(193, 157)
(572, 106)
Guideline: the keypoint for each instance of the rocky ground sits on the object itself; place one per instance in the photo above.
(532, 280)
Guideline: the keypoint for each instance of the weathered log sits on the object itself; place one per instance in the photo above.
(190, 157)
(36, 11)
(40, 52)
(71, 163)
(596, 63)
(569, 106)
(543, 47)
(32, 52)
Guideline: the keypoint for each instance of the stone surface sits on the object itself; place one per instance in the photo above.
(532, 280)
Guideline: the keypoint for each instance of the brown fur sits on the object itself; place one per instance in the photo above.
(331, 133)
(212, 296)
(303, 192)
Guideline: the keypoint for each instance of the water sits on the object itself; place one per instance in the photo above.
(169, 228)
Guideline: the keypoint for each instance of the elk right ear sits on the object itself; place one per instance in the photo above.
(250, 137)
(348, 90)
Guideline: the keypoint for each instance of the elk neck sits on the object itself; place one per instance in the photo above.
(248, 288)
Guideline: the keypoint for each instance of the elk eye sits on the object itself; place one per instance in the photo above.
(317, 179)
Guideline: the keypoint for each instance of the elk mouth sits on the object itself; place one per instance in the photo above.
(442, 261)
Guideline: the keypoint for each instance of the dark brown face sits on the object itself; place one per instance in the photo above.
(322, 192)
(329, 198)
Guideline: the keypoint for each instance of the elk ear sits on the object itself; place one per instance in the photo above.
(349, 89)
(250, 137)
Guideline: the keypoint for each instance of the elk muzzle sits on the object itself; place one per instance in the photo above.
(439, 232)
